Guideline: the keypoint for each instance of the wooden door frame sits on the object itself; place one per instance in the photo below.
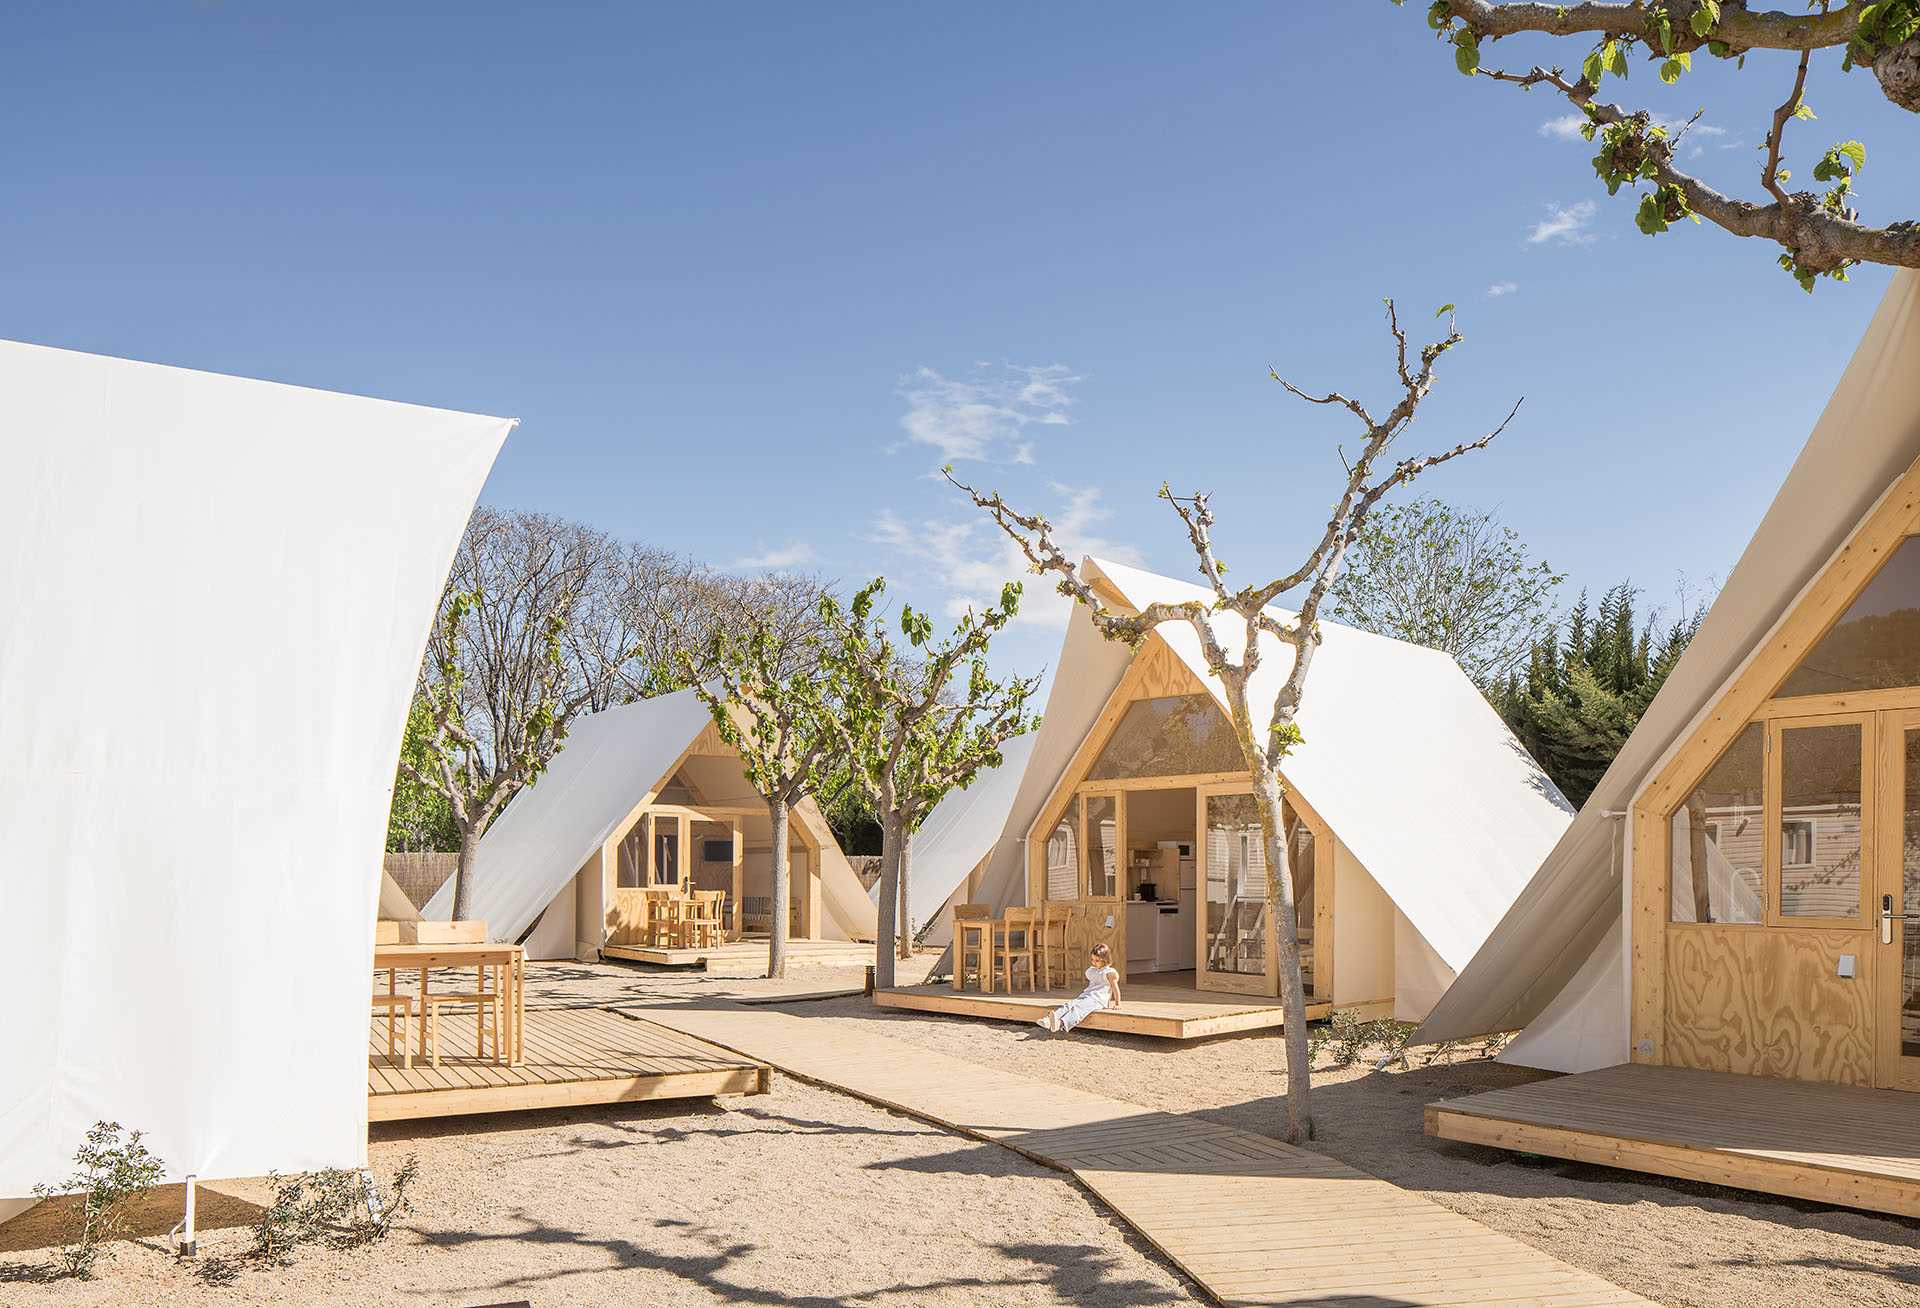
(1114, 904)
(1266, 983)
(1892, 1070)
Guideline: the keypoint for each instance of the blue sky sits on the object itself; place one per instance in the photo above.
(750, 273)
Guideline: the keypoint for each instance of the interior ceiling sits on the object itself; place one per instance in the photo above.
(1154, 815)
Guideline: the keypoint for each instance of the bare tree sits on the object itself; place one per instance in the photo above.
(1235, 657)
(1451, 580)
(1819, 234)
(518, 650)
(913, 729)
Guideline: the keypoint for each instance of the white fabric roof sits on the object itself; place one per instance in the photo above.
(961, 831)
(217, 593)
(1404, 759)
(1867, 437)
(611, 759)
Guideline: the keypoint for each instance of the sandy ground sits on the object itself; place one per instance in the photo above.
(768, 1200)
(1677, 1242)
(798, 1197)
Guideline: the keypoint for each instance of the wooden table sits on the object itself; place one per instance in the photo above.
(512, 959)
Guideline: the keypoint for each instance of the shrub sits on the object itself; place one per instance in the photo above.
(336, 1206)
(110, 1173)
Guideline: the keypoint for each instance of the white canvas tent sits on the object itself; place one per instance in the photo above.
(217, 593)
(1558, 962)
(1419, 780)
(528, 863)
(956, 838)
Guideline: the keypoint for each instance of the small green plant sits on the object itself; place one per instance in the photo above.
(1393, 1036)
(109, 1173)
(336, 1206)
(1492, 1046)
(1348, 1036)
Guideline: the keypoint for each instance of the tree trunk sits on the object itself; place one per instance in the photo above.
(1285, 925)
(906, 898)
(462, 871)
(1697, 852)
(782, 892)
(888, 919)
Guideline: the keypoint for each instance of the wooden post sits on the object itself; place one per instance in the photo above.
(648, 873)
(683, 834)
(739, 871)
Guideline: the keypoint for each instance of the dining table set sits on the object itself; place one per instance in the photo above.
(498, 996)
(673, 918)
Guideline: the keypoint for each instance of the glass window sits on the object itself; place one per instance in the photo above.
(666, 855)
(1820, 780)
(1063, 856)
(1719, 839)
(632, 857)
(1910, 888)
(1236, 889)
(1103, 846)
(1176, 736)
(1876, 643)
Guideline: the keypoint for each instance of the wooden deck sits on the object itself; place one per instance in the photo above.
(1252, 1220)
(1168, 1007)
(574, 1056)
(1832, 1144)
(749, 951)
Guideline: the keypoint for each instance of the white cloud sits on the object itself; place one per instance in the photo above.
(1565, 224)
(988, 415)
(1499, 289)
(971, 559)
(781, 557)
(1564, 128)
(1567, 128)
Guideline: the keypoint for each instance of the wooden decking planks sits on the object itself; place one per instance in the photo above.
(749, 951)
(1168, 1011)
(1252, 1220)
(1834, 1144)
(579, 1055)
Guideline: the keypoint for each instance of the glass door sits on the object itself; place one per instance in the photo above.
(1896, 907)
(1103, 835)
(1235, 943)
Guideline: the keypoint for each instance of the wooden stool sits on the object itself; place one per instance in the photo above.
(402, 1004)
(1054, 944)
(1019, 922)
(973, 938)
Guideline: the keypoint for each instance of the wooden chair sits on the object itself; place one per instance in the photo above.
(403, 1005)
(484, 1002)
(702, 927)
(973, 939)
(657, 931)
(1058, 933)
(1021, 923)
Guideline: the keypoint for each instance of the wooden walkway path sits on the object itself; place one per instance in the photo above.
(1252, 1220)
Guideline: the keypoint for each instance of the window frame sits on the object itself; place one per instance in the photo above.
(1774, 797)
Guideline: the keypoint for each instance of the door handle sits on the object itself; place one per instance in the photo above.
(1888, 917)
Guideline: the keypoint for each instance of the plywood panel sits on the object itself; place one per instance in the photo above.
(1767, 1001)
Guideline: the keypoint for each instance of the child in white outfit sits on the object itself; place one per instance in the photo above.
(1103, 991)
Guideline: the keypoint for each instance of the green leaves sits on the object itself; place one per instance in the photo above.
(1466, 51)
(1842, 161)
(1661, 208)
(1675, 65)
(1443, 311)
(1705, 18)
(1880, 27)
(1804, 112)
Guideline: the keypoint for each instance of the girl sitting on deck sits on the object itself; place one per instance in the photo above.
(1103, 991)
